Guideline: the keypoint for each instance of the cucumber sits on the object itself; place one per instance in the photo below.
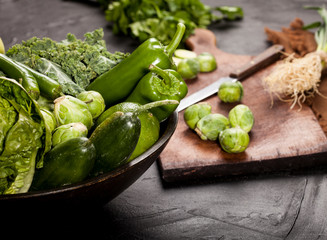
(150, 126)
(115, 139)
(68, 162)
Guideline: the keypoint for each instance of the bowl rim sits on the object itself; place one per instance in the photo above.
(171, 124)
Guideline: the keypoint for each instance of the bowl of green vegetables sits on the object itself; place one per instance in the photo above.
(72, 157)
(96, 189)
(80, 124)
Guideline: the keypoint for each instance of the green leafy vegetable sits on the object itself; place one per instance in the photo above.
(230, 13)
(49, 119)
(24, 138)
(143, 19)
(103, 3)
(55, 72)
(81, 60)
(321, 32)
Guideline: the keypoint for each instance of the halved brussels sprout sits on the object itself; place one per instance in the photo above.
(184, 53)
(207, 62)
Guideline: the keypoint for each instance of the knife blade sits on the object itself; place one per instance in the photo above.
(262, 60)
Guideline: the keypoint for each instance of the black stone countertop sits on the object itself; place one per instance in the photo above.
(275, 206)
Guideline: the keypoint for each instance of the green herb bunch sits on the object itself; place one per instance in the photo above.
(142, 19)
(321, 32)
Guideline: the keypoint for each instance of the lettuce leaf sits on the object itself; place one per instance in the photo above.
(21, 146)
(25, 138)
(7, 120)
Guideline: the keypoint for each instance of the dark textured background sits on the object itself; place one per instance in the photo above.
(276, 206)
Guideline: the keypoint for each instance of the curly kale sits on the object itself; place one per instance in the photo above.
(81, 60)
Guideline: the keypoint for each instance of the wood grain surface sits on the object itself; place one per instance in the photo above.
(282, 138)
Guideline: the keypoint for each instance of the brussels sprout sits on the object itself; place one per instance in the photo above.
(209, 127)
(207, 62)
(234, 140)
(49, 118)
(176, 60)
(68, 131)
(188, 68)
(231, 91)
(2, 47)
(241, 116)
(69, 109)
(195, 112)
(184, 53)
(94, 102)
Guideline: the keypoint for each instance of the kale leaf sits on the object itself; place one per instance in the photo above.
(81, 60)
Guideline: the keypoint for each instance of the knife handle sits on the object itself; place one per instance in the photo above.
(264, 59)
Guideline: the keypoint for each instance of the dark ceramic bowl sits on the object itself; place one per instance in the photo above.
(101, 189)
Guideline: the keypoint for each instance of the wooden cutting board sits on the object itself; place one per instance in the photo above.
(281, 139)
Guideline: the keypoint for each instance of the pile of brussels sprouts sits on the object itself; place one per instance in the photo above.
(75, 115)
(231, 132)
(189, 64)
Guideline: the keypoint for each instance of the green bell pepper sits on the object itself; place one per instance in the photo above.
(116, 84)
(158, 85)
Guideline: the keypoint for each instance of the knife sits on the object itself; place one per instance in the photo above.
(262, 60)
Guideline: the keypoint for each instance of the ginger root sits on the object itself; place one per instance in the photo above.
(294, 39)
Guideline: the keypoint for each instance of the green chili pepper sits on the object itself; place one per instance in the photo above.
(48, 87)
(23, 76)
(157, 85)
(116, 84)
